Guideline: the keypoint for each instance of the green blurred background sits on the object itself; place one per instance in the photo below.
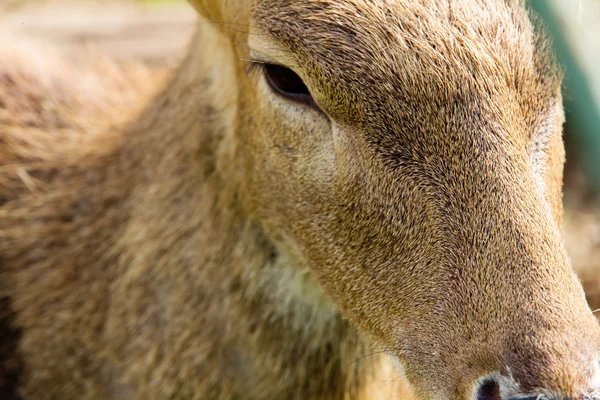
(574, 26)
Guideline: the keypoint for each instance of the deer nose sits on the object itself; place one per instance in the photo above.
(489, 389)
(529, 398)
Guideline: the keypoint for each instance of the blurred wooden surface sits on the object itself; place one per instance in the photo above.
(156, 34)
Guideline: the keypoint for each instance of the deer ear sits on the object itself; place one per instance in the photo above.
(223, 11)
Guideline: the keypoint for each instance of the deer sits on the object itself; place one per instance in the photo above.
(327, 199)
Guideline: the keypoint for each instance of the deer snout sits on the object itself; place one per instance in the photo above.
(499, 387)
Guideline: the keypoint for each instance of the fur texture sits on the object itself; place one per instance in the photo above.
(222, 242)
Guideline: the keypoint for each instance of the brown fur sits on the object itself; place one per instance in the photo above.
(225, 243)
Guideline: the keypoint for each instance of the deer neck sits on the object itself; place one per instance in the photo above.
(192, 252)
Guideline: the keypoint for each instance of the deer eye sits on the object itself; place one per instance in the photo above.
(288, 84)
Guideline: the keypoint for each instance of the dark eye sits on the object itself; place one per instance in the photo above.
(288, 84)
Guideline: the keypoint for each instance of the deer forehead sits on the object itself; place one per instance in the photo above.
(362, 54)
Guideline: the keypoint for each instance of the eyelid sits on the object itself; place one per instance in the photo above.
(259, 58)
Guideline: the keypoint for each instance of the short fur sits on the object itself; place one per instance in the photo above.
(219, 242)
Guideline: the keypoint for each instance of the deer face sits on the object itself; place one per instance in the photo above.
(410, 153)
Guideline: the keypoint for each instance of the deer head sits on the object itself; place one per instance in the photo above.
(409, 154)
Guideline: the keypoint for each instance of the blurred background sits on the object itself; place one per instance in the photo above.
(155, 32)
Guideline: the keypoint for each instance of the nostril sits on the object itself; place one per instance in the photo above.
(488, 390)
